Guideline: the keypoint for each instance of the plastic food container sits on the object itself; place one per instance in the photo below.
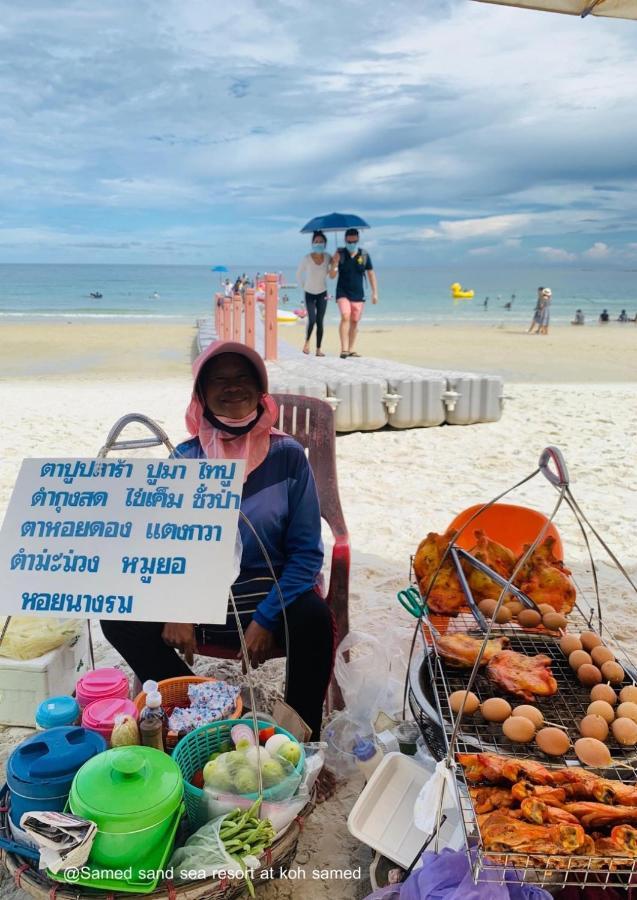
(133, 795)
(41, 769)
(100, 715)
(101, 684)
(57, 712)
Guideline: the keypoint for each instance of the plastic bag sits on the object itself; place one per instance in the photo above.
(447, 876)
(28, 637)
(206, 854)
(362, 675)
(237, 772)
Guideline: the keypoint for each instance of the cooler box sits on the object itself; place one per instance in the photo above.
(25, 683)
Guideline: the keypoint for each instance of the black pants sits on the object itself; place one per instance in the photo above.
(316, 304)
(310, 628)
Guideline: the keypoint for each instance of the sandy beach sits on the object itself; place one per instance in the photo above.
(63, 385)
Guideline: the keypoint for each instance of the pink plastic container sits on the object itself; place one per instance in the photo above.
(101, 684)
(100, 714)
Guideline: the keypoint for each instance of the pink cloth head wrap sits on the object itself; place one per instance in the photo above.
(218, 444)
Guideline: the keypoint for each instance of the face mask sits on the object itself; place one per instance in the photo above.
(318, 248)
(352, 248)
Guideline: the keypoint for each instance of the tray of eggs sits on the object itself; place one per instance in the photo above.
(592, 719)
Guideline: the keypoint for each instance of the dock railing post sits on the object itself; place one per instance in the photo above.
(218, 303)
(226, 324)
(248, 331)
(237, 303)
(271, 303)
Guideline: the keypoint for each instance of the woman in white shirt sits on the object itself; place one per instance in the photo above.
(312, 276)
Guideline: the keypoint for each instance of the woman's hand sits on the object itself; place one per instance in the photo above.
(260, 643)
(182, 638)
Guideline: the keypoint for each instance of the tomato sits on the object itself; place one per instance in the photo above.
(266, 733)
(197, 779)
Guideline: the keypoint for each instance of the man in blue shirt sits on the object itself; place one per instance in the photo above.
(353, 264)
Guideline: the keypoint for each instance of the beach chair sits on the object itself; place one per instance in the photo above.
(508, 524)
(311, 422)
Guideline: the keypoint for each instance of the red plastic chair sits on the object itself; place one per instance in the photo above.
(311, 422)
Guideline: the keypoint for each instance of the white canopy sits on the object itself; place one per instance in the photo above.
(618, 9)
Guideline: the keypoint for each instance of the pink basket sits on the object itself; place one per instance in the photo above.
(100, 714)
(101, 684)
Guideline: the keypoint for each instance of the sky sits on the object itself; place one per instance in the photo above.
(199, 131)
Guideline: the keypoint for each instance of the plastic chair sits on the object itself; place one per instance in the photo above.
(508, 524)
(310, 421)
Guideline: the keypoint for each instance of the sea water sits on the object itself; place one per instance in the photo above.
(407, 295)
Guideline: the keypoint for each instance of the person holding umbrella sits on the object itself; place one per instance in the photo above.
(352, 264)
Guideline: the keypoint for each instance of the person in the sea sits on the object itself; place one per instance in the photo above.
(312, 276)
(579, 318)
(232, 416)
(604, 317)
(352, 265)
(623, 316)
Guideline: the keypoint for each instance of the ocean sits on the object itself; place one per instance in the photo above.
(407, 295)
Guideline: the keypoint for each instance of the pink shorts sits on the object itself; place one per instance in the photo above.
(351, 309)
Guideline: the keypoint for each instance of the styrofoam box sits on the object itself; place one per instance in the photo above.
(25, 683)
(383, 815)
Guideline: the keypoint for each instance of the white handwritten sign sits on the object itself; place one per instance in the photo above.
(139, 539)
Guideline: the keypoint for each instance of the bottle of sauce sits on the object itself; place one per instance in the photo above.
(152, 721)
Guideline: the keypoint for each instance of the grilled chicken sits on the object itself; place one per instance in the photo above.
(536, 810)
(488, 799)
(524, 676)
(601, 815)
(544, 578)
(494, 555)
(501, 832)
(494, 768)
(446, 597)
(583, 785)
(551, 795)
(461, 650)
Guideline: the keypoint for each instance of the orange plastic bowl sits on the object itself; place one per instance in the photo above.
(510, 525)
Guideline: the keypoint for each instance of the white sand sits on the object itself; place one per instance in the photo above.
(395, 487)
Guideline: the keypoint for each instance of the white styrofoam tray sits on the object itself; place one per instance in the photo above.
(383, 815)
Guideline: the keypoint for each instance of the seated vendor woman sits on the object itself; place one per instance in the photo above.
(231, 415)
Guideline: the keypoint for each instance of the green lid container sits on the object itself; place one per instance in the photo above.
(132, 794)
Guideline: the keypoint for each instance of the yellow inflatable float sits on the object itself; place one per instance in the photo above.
(459, 294)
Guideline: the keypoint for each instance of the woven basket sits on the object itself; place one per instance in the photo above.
(279, 857)
(195, 749)
(174, 692)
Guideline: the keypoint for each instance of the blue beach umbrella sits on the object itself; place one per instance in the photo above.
(334, 222)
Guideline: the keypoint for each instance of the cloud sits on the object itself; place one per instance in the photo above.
(556, 254)
(121, 121)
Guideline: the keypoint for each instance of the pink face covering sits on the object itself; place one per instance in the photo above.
(217, 444)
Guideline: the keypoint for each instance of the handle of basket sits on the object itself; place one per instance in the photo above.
(554, 455)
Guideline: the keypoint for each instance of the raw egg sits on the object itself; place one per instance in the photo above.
(592, 752)
(579, 658)
(594, 727)
(589, 675)
(627, 710)
(495, 709)
(569, 643)
(529, 618)
(601, 654)
(471, 703)
(503, 615)
(554, 621)
(589, 640)
(628, 694)
(613, 672)
(515, 606)
(530, 712)
(601, 708)
(604, 692)
(552, 741)
(518, 729)
(487, 607)
(545, 608)
(625, 732)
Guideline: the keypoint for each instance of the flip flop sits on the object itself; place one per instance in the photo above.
(306, 350)
(345, 354)
(356, 355)
(320, 353)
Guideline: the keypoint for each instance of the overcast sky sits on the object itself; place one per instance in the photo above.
(203, 131)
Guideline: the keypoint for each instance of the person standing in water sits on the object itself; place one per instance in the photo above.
(312, 276)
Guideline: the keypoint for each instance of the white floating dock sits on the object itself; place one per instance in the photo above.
(369, 393)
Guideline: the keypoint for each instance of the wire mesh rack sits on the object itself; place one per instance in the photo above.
(432, 680)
